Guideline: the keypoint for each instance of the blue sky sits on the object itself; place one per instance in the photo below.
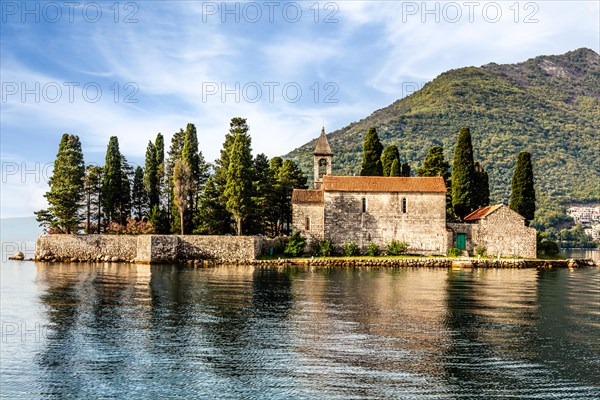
(133, 69)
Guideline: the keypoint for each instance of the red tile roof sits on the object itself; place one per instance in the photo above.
(384, 184)
(482, 212)
(304, 196)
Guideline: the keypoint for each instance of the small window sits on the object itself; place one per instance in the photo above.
(404, 205)
(364, 204)
(307, 224)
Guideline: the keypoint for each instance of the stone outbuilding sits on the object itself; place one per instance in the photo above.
(498, 229)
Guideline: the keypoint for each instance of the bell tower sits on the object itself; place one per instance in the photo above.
(322, 158)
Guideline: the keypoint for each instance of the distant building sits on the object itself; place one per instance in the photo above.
(365, 209)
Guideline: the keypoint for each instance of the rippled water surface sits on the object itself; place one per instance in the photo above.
(130, 331)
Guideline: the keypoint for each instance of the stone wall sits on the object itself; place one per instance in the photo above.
(146, 248)
(86, 247)
(422, 226)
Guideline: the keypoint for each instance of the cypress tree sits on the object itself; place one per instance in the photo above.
(436, 165)
(395, 169)
(214, 219)
(390, 154)
(113, 181)
(522, 198)
(238, 188)
(151, 183)
(66, 188)
(405, 170)
(124, 204)
(159, 149)
(92, 189)
(482, 186)
(139, 199)
(463, 175)
(372, 148)
(182, 178)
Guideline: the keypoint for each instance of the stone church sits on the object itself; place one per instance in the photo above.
(365, 209)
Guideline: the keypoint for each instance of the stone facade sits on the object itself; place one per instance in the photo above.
(147, 248)
(500, 230)
(419, 219)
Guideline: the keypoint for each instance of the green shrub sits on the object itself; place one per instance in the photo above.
(481, 251)
(351, 249)
(373, 249)
(324, 248)
(454, 252)
(295, 245)
(396, 248)
(547, 248)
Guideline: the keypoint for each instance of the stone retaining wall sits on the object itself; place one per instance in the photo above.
(146, 248)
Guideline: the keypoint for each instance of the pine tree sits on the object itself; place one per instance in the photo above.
(390, 154)
(395, 169)
(139, 198)
(214, 219)
(522, 198)
(263, 183)
(372, 148)
(289, 177)
(112, 183)
(238, 188)
(463, 175)
(66, 188)
(482, 186)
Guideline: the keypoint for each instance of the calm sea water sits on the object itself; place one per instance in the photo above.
(131, 332)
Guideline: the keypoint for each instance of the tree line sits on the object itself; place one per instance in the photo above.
(467, 182)
(180, 193)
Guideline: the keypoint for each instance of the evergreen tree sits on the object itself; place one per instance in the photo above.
(262, 196)
(174, 154)
(405, 170)
(289, 177)
(66, 188)
(238, 188)
(390, 154)
(372, 148)
(159, 149)
(463, 176)
(395, 169)
(274, 212)
(93, 195)
(182, 178)
(522, 198)
(214, 219)
(151, 182)
(139, 198)
(436, 165)
(124, 204)
(112, 183)
(482, 186)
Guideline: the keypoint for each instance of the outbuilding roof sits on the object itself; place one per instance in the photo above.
(305, 196)
(384, 184)
(482, 212)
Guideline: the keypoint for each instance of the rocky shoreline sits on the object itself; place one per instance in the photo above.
(357, 263)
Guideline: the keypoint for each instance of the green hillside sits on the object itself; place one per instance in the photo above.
(549, 106)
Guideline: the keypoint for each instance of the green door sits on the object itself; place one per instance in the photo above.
(461, 241)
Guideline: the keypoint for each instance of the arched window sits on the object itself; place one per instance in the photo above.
(322, 168)
(404, 205)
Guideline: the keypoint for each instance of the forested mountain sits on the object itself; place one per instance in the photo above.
(548, 106)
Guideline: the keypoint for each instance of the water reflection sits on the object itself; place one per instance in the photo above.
(121, 330)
